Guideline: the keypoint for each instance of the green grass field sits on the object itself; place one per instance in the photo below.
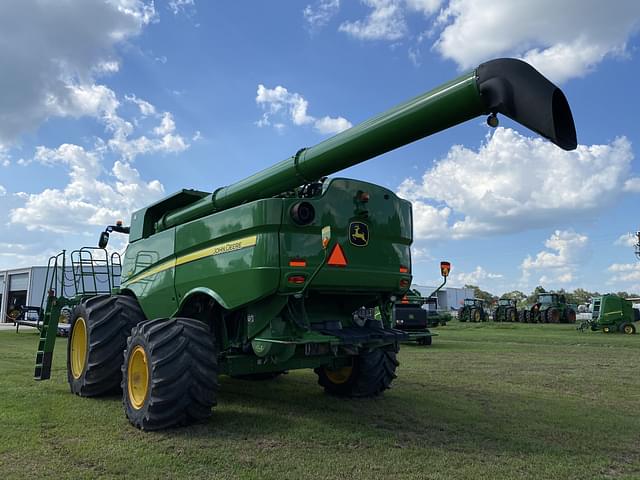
(486, 401)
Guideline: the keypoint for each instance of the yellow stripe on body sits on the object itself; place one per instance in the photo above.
(219, 249)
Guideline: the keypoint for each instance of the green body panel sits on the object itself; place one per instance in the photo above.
(146, 273)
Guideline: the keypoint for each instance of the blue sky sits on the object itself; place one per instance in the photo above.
(109, 105)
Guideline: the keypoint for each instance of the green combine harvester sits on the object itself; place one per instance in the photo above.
(610, 314)
(263, 276)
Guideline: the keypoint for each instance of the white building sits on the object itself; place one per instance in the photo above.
(26, 286)
(449, 298)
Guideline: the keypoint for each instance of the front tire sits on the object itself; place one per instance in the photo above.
(369, 375)
(169, 374)
(98, 335)
(426, 341)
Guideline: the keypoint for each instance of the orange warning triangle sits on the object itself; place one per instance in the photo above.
(337, 257)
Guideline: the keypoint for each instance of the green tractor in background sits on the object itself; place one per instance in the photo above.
(612, 313)
(263, 276)
(473, 311)
(550, 308)
(506, 311)
(553, 308)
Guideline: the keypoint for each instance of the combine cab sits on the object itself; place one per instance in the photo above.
(473, 311)
(263, 276)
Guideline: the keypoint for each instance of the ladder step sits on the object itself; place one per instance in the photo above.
(43, 365)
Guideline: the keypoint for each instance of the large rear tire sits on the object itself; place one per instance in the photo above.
(98, 335)
(369, 375)
(553, 315)
(476, 315)
(169, 374)
(571, 316)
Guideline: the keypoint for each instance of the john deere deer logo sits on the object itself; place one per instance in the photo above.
(358, 234)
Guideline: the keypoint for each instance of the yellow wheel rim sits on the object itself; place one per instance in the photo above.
(78, 347)
(476, 315)
(339, 376)
(138, 377)
(628, 329)
(605, 329)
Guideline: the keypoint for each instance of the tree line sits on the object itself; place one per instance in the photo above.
(578, 296)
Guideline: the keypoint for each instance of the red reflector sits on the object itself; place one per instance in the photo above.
(404, 299)
(298, 263)
(337, 257)
(404, 283)
(404, 270)
(297, 279)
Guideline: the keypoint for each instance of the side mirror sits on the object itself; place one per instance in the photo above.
(103, 240)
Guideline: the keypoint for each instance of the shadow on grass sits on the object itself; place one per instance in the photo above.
(459, 419)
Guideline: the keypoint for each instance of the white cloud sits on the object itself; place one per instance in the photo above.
(177, 6)
(560, 263)
(514, 183)
(88, 200)
(5, 156)
(146, 109)
(385, 22)
(280, 103)
(321, 13)
(430, 222)
(427, 7)
(625, 272)
(626, 240)
(632, 185)
(3, 191)
(476, 277)
(562, 41)
(328, 125)
(50, 64)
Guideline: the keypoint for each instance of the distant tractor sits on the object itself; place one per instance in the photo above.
(550, 308)
(473, 311)
(506, 311)
(612, 313)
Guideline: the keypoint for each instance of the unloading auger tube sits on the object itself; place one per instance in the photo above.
(508, 86)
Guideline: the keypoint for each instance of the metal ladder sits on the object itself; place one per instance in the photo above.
(54, 297)
(65, 287)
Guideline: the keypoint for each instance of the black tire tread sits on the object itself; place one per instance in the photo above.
(184, 373)
(373, 373)
(109, 320)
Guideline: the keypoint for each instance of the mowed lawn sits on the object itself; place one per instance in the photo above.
(486, 401)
